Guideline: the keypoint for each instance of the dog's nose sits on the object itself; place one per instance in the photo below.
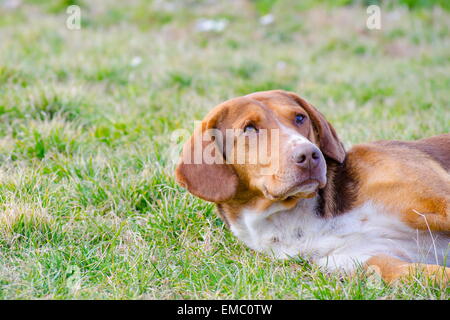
(307, 156)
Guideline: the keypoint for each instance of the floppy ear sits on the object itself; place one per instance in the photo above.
(215, 182)
(329, 142)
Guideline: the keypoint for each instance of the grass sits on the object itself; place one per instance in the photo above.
(88, 204)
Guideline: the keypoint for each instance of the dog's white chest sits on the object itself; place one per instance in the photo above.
(340, 242)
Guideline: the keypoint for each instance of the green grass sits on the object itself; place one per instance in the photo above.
(88, 204)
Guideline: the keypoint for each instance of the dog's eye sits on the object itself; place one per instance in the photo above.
(299, 119)
(250, 128)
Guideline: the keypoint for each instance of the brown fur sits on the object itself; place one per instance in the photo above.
(330, 144)
(222, 181)
(406, 180)
(392, 269)
(219, 182)
(339, 195)
(410, 179)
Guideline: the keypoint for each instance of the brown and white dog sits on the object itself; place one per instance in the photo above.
(383, 204)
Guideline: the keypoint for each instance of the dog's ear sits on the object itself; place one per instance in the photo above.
(202, 169)
(329, 142)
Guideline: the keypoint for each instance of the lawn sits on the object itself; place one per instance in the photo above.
(88, 204)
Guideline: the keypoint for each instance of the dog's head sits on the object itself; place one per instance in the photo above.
(270, 144)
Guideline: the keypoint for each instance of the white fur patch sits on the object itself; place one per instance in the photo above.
(341, 242)
(293, 137)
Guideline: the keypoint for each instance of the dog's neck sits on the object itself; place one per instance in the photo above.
(339, 194)
(334, 199)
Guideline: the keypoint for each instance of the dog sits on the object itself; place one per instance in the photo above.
(382, 205)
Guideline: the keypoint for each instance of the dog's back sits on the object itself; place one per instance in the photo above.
(437, 147)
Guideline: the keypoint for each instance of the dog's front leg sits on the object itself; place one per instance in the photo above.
(392, 269)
